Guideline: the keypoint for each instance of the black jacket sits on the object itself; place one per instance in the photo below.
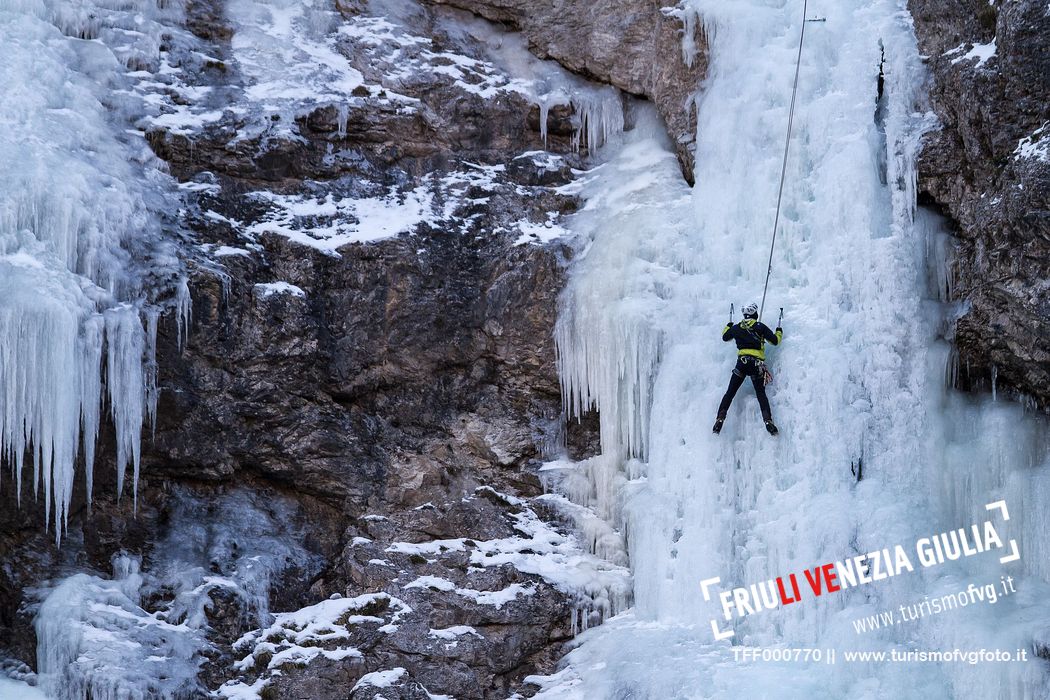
(751, 337)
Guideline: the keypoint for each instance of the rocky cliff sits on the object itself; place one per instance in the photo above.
(988, 169)
(341, 493)
(650, 49)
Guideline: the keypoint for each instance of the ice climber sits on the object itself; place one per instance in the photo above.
(750, 336)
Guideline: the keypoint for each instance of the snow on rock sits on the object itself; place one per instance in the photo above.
(496, 599)
(600, 588)
(597, 109)
(299, 74)
(322, 622)
(505, 66)
(405, 57)
(1036, 146)
(300, 637)
(540, 233)
(238, 690)
(224, 251)
(449, 633)
(380, 679)
(431, 547)
(435, 582)
(982, 52)
(170, 101)
(296, 57)
(182, 120)
(268, 289)
(328, 220)
(328, 223)
(435, 696)
(543, 160)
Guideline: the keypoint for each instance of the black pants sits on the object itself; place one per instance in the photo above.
(746, 366)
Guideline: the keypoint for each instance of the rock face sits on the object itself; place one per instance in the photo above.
(988, 169)
(342, 481)
(636, 46)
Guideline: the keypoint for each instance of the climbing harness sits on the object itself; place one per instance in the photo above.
(787, 145)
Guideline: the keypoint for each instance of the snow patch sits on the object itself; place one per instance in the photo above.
(1036, 146)
(316, 631)
(541, 233)
(380, 679)
(227, 251)
(495, 598)
(20, 690)
(237, 690)
(600, 587)
(432, 547)
(268, 289)
(982, 52)
(329, 222)
(435, 582)
(450, 633)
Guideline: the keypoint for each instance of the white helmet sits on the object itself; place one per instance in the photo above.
(751, 310)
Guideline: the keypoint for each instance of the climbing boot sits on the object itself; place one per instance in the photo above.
(771, 427)
(718, 425)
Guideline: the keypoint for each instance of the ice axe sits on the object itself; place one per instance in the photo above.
(730, 313)
(780, 321)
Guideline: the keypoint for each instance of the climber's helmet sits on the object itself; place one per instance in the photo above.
(751, 310)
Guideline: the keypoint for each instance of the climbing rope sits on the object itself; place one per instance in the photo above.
(787, 146)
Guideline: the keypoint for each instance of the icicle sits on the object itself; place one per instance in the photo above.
(125, 341)
(150, 367)
(183, 311)
(91, 394)
(544, 114)
(555, 97)
(689, 47)
(342, 117)
(597, 118)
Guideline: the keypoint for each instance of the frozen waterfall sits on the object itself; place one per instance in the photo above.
(78, 196)
(860, 379)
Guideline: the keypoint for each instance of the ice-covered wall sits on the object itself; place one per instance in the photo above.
(78, 200)
(860, 377)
